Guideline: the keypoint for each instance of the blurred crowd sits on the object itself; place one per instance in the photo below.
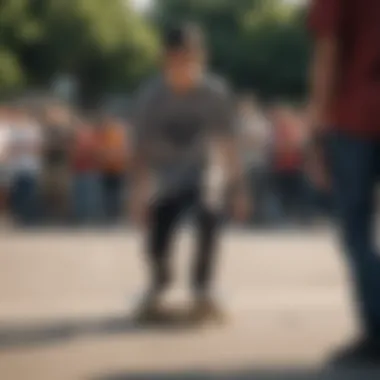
(57, 167)
(274, 144)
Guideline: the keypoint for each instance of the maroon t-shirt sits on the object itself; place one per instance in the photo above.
(356, 25)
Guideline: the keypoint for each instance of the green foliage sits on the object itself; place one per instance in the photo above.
(257, 44)
(105, 44)
(11, 76)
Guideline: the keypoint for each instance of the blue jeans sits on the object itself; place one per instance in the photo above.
(262, 191)
(355, 165)
(86, 197)
(290, 186)
(24, 198)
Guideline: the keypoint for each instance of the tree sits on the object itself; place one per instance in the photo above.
(17, 30)
(11, 76)
(105, 44)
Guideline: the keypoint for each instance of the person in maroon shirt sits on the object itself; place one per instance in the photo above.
(345, 114)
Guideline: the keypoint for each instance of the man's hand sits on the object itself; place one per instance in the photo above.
(241, 207)
(317, 167)
(139, 199)
(324, 75)
(139, 210)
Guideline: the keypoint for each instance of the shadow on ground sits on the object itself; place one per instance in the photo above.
(269, 374)
(30, 335)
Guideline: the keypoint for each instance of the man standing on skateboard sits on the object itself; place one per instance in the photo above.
(182, 115)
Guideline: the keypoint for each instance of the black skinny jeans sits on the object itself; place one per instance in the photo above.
(165, 218)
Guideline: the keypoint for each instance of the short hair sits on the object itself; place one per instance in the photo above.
(182, 37)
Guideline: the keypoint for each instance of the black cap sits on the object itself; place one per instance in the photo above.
(183, 37)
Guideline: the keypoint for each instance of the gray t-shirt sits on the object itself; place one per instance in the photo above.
(174, 131)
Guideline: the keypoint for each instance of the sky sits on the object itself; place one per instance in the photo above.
(141, 4)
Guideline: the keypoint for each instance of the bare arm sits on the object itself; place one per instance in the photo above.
(326, 25)
(227, 146)
(140, 177)
(323, 80)
(231, 162)
(140, 168)
(325, 22)
(140, 191)
(234, 174)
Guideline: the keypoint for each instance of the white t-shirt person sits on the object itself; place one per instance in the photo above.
(26, 141)
(255, 134)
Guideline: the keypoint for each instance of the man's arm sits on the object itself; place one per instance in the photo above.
(140, 189)
(325, 23)
(140, 170)
(323, 80)
(232, 163)
(241, 202)
(227, 145)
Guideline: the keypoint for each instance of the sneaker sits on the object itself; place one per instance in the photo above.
(364, 352)
(207, 310)
(150, 309)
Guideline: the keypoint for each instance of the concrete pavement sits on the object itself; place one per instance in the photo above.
(66, 299)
